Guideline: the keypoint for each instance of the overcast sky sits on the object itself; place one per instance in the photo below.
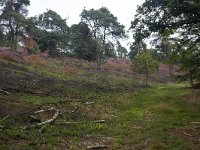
(124, 10)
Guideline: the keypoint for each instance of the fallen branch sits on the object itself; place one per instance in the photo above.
(6, 117)
(196, 127)
(89, 103)
(41, 130)
(187, 134)
(96, 121)
(99, 121)
(47, 121)
(34, 119)
(96, 147)
(195, 122)
(29, 111)
(50, 120)
(146, 143)
(5, 92)
(41, 111)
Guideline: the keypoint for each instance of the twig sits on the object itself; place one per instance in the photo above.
(47, 121)
(96, 147)
(5, 92)
(146, 143)
(89, 103)
(196, 127)
(6, 117)
(187, 134)
(96, 121)
(50, 120)
(41, 129)
(99, 121)
(195, 122)
(41, 111)
(35, 119)
(29, 111)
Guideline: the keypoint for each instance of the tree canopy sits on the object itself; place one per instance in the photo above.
(180, 18)
(53, 32)
(103, 25)
(13, 20)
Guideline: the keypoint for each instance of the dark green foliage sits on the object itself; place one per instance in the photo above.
(52, 34)
(81, 42)
(189, 59)
(109, 50)
(162, 18)
(103, 25)
(13, 20)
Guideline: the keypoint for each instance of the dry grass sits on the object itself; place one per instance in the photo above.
(34, 59)
(71, 70)
(10, 58)
(117, 64)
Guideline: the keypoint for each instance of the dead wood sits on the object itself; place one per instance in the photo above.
(42, 110)
(34, 119)
(89, 103)
(97, 147)
(187, 134)
(6, 117)
(196, 127)
(41, 130)
(195, 122)
(68, 122)
(5, 92)
(52, 119)
(146, 143)
(29, 111)
(57, 112)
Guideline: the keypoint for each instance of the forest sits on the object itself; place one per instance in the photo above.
(78, 87)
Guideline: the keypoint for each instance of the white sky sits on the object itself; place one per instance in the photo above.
(124, 10)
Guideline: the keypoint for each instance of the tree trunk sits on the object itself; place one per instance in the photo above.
(98, 58)
(13, 42)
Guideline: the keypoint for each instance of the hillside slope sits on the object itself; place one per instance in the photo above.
(68, 104)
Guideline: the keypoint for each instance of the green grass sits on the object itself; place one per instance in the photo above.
(154, 118)
(39, 100)
(152, 114)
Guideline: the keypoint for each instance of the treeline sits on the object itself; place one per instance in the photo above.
(94, 38)
(172, 25)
